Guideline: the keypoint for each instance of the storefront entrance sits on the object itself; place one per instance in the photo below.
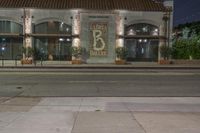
(142, 50)
(141, 41)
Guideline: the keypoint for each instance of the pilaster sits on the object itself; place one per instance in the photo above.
(119, 32)
(27, 28)
(75, 32)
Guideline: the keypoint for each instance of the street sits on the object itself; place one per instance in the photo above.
(99, 101)
(100, 83)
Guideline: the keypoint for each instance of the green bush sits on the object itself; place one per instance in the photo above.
(28, 51)
(77, 51)
(186, 48)
(121, 52)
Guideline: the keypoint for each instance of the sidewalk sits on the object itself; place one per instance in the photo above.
(99, 115)
(67, 65)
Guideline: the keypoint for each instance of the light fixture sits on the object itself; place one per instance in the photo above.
(68, 39)
(144, 29)
(3, 48)
(140, 40)
(145, 40)
(131, 32)
(61, 39)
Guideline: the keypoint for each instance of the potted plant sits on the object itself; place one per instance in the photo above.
(76, 55)
(121, 54)
(165, 52)
(27, 55)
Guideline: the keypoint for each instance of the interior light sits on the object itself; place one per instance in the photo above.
(61, 39)
(3, 48)
(145, 40)
(144, 29)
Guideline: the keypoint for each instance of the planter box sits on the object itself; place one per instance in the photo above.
(120, 62)
(179, 61)
(76, 61)
(164, 62)
(26, 61)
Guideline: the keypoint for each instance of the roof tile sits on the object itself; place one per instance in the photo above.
(135, 5)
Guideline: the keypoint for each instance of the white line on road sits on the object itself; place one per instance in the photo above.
(102, 73)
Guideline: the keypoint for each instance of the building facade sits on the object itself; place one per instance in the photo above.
(98, 27)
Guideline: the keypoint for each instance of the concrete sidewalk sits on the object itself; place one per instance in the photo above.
(67, 65)
(99, 115)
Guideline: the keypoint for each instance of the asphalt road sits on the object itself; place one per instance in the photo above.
(100, 83)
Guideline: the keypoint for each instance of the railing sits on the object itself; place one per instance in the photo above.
(16, 59)
(2, 60)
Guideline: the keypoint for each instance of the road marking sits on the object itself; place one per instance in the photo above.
(100, 73)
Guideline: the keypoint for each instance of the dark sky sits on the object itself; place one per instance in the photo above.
(186, 11)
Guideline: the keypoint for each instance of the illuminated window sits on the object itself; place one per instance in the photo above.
(142, 29)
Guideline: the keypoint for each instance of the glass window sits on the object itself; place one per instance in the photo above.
(10, 48)
(142, 49)
(53, 27)
(53, 48)
(142, 29)
(10, 27)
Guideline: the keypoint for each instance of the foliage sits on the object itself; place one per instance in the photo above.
(165, 51)
(194, 27)
(121, 52)
(27, 51)
(77, 52)
(186, 48)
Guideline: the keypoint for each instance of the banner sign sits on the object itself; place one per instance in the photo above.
(98, 39)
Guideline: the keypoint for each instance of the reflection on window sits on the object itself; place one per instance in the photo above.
(10, 27)
(10, 48)
(53, 27)
(142, 29)
(53, 48)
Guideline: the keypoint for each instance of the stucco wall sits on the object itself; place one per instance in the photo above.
(67, 16)
(87, 18)
(40, 15)
(12, 15)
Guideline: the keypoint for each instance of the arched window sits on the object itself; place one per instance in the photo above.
(53, 27)
(10, 27)
(142, 42)
(53, 40)
(10, 46)
(142, 29)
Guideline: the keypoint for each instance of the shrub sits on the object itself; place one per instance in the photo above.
(165, 51)
(186, 48)
(121, 52)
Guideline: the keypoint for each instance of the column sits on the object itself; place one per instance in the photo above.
(27, 29)
(162, 40)
(119, 32)
(75, 33)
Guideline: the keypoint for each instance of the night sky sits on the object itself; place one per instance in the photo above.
(186, 11)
